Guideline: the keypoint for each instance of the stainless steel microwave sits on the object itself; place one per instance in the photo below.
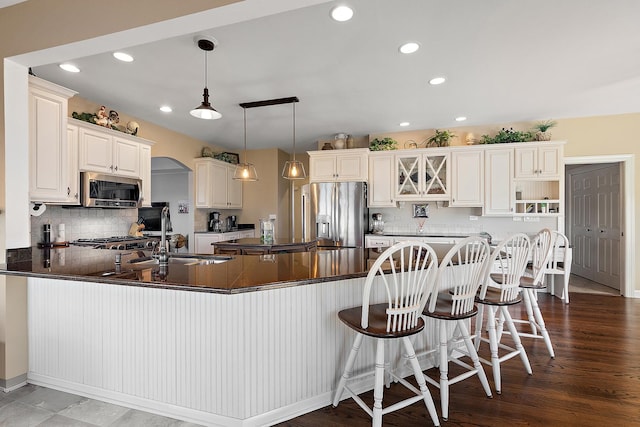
(109, 191)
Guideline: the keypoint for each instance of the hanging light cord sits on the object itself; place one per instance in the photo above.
(205, 69)
(294, 131)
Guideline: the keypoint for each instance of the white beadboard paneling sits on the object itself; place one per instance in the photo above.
(255, 356)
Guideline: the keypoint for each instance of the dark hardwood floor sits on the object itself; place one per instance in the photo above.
(593, 381)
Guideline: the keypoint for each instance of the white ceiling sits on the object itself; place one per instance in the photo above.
(504, 61)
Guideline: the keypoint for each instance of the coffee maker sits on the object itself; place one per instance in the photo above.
(214, 222)
(232, 222)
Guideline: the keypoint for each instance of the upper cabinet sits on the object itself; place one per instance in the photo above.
(381, 191)
(338, 165)
(215, 186)
(467, 178)
(422, 174)
(498, 181)
(51, 168)
(538, 162)
(111, 152)
(145, 174)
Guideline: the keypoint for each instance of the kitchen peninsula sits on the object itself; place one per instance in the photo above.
(251, 341)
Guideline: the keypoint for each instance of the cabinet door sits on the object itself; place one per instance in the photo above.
(498, 195)
(96, 151)
(126, 157)
(526, 162)
(218, 185)
(203, 178)
(436, 175)
(468, 178)
(380, 191)
(234, 189)
(73, 175)
(407, 177)
(322, 168)
(145, 174)
(351, 167)
(48, 147)
(549, 161)
(203, 243)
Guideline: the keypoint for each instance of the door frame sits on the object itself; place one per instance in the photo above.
(627, 162)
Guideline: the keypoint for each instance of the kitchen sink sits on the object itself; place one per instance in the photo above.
(185, 259)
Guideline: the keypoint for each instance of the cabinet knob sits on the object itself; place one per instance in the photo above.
(68, 191)
(75, 196)
(111, 167)
(116, 168)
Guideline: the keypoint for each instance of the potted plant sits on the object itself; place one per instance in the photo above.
(383, 144)
(441, 138)
(541, 129)
(506, 136)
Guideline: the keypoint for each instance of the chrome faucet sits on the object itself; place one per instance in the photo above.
(163, 256)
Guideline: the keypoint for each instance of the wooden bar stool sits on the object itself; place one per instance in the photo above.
(499, 291)
(460, 275)
(405, 290)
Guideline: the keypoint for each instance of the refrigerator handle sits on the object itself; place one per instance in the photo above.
(334, 212)
(303, 208)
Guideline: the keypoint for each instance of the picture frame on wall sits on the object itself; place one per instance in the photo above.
(421, 210)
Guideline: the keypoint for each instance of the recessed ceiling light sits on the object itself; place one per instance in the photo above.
(461, 119)
(409, 47)
(437, 81)
(70, 68)
(166, 109)
(342, 13)
(124, 57)
(404, 124)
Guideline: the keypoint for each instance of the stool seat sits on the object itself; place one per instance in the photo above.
(494, 297)
(443, 306)
(531, 283)
(377, 322)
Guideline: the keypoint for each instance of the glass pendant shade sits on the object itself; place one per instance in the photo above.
(245, 172)
(293, 169)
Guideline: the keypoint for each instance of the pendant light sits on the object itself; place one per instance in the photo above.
(245, 171)
(294, 169)
(205, 110)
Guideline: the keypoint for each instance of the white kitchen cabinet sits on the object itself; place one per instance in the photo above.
(539, 161)
(380, 190)
(204, 242)
(338, 165)
(108, 151)
(422, 175)
(498, 178)
(73, 173)
(50, 160)
(215, 186)
(145, 174)
(467, 178)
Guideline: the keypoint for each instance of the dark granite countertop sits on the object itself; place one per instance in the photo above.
(425, 234)
(241, 273)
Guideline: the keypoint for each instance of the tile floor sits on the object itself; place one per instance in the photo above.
(40, 406)
(32, 405)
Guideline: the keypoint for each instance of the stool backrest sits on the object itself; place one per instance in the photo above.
(541, 248)
(507, 264)
(407, 285)
(559, 252)
(461, 273)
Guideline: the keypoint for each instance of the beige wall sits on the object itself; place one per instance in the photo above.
(39, 24)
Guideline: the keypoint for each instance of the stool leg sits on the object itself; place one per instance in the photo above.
(479, 320)
(444, 363)
(347, 369)
(565, 290)
(529, 296)
(516, 339)
(417, 372)
(474, 357)
(378, 388)
(493, 345)
(543, 329)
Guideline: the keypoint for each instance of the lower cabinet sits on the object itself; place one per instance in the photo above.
(204, 241)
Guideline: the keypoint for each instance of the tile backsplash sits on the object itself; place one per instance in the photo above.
(83, 223)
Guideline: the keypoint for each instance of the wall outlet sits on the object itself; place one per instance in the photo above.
(473, 217)
(272, 216)
(517, 219)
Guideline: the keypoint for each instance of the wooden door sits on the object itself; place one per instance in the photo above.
(596, 224)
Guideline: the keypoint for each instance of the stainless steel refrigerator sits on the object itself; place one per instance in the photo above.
(335, 213)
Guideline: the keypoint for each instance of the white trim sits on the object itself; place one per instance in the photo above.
(628, 162)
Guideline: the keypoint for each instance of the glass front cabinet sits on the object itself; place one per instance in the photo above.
(422, 176)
